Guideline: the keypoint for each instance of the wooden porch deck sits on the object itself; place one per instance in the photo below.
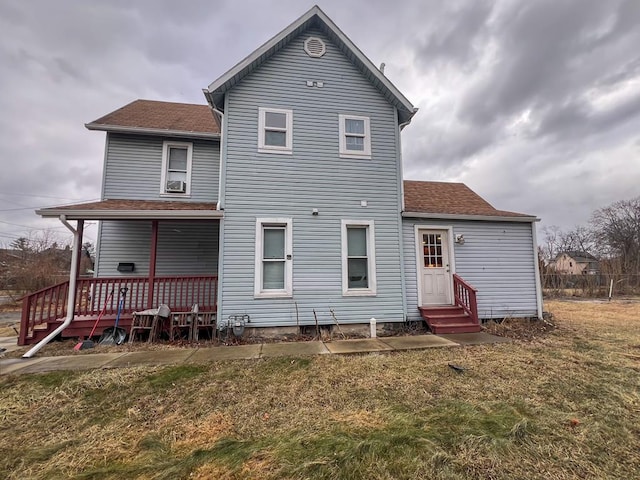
(43, 311)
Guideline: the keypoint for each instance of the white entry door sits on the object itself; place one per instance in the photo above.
(434, 267)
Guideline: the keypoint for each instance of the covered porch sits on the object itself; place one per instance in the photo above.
(161, 266)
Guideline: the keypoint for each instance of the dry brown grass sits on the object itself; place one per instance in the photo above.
(563, 405)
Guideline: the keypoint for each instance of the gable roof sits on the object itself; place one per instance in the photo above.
(315, 17)
(578, 256)
(160, 118)
(450, 200)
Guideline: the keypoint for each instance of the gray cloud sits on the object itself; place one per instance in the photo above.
(533, 104)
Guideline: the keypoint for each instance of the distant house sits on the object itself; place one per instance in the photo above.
(282, 202)
(576, 263)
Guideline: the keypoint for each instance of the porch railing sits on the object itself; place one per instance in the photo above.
(466, 297)
(178, 292)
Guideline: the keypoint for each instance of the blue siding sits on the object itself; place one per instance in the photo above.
(134, 165)
(496, 258)
(271, 185)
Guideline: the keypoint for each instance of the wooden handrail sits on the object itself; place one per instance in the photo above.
(179, 292)
(466, 297)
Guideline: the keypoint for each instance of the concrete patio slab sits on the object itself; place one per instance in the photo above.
(69, 362)
(479, 338)
(357, 346)
(417, 342)
(294, 349)
(151, 358)
(212, 354)
(14, 365)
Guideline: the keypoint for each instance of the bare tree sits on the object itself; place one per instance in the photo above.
(617, 230)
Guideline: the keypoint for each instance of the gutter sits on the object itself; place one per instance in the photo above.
(151, 131)
(73, 276)
(491, 218)
(130, 214)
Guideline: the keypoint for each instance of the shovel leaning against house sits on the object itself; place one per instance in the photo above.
(115, 335)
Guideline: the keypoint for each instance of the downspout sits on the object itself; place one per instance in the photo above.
(71, 299)
(536, 270)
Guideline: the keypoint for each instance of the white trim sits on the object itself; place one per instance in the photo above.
(418, 252)
(536, 271)
(288, 148)
(130, 214)
(151, 131)
(165, 165)
(287, 292)
(371, 257)
(451, 216)
(344, 152)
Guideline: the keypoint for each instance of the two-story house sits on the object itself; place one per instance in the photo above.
(282, 202)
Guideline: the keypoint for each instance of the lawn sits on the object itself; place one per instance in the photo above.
(562, 405)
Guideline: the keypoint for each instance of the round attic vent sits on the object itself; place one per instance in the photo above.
(314, 47)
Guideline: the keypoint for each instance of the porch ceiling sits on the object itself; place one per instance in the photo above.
(122, 209)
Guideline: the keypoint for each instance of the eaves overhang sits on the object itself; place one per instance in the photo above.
(466, 217)
(91, 214)
(151, 131)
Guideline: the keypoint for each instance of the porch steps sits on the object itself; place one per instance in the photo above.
(79, 327)
(448, 319)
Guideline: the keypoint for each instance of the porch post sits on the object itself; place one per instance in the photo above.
(80, 230)
(152, 261)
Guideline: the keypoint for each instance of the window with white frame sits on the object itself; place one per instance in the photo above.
(176, 168)
(273, 267)
(275, 130)
(355, 136)
(358, 258)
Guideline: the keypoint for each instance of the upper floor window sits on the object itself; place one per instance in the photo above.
(275, 131)
(355, 137)
(176, 168)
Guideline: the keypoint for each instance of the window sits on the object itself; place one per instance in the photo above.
(273, 268)
(275, 131)
(358, 258)
(176, 169)
(355, 137)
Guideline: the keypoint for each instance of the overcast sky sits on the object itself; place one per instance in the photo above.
(533, 104)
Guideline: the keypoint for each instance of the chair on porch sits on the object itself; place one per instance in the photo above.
(148, 321)
(204, 321)
(181, 324)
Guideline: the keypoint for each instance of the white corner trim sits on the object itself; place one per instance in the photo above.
(165, 167)
(371, 256)
(287, 292)
(418, 250)
(343, 151)
(262, 127)
(536, 270)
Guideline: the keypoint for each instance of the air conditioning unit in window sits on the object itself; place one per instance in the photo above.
(176, 186)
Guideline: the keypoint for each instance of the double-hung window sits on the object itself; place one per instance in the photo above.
(358, 258)
(273, 268)
(176, 168)
(275, 130)
(355, 136)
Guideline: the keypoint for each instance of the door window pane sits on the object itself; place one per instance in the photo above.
(432, 250)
